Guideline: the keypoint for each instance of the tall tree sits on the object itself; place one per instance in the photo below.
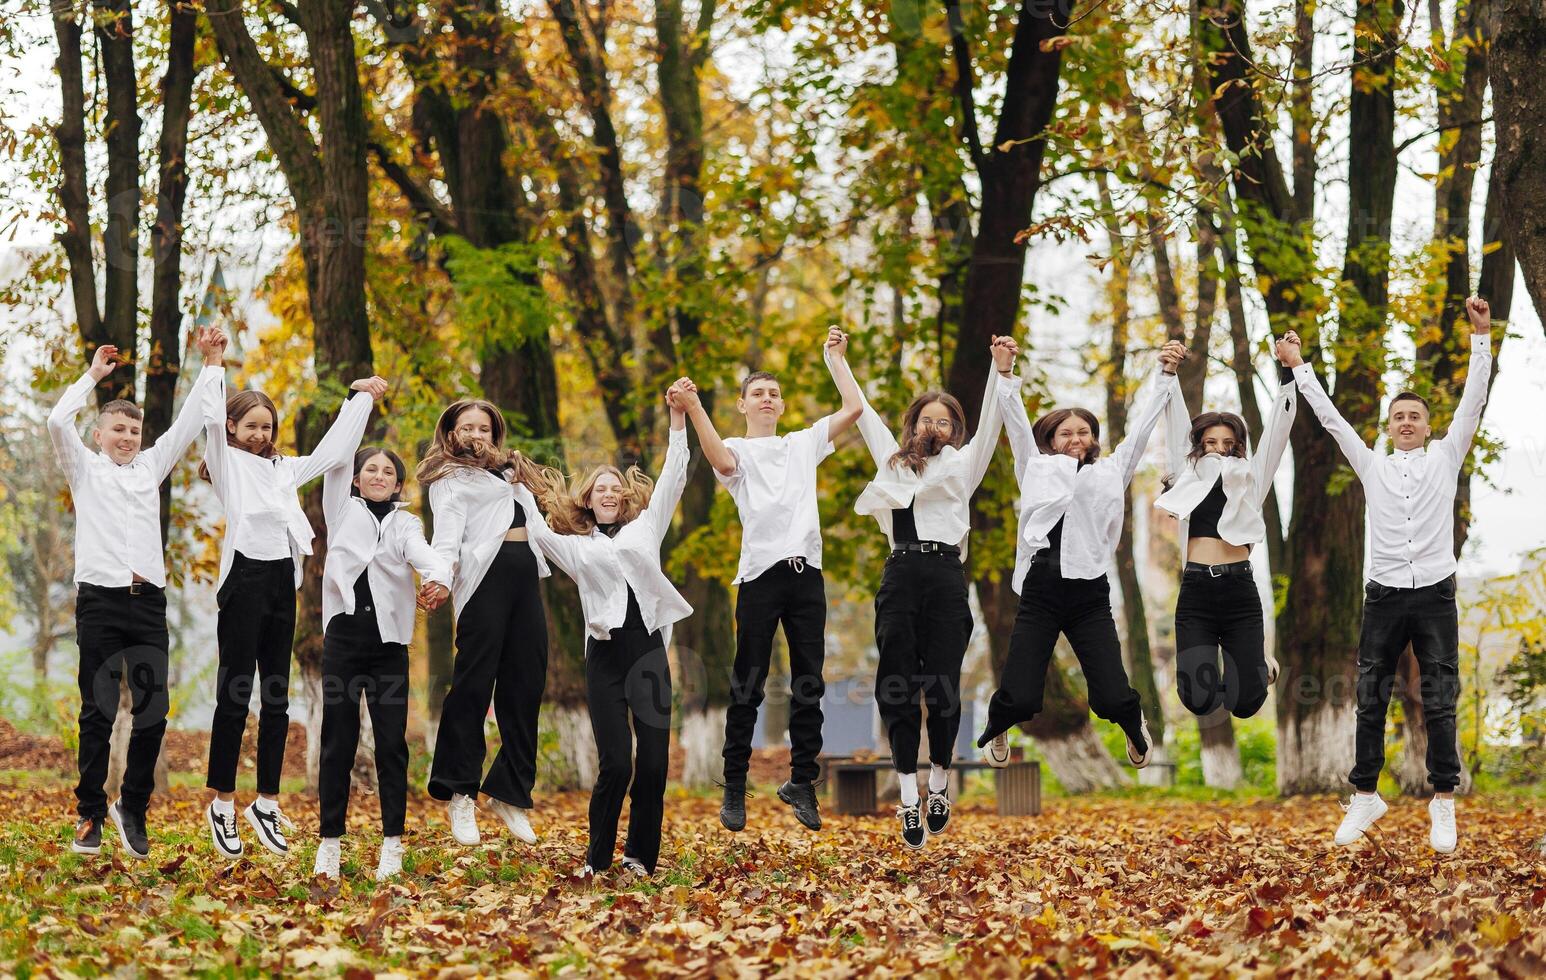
(1518, 57)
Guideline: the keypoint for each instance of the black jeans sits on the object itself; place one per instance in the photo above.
(256, 630)
(1081, 610)
(356, 662)
(1427, 619)
(922, 625)
(1213, 614)
(798, 599)
(120, 633)
(628, 677)
(501, 656)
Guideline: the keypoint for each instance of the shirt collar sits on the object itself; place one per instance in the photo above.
(1417, 453)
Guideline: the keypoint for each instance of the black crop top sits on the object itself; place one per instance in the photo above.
(904, 529)
(519, 520)
(1206, 515)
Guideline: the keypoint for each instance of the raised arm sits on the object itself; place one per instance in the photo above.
(338, 445)
(1277, 422)
(1153, 399)
(835, 353)
(1356, 451)
(719, 455)
(216, 450)
(171, 445)
(978, 452)
(1473, 398)
(672, 480)
(1017, 422)
(877, 438)
(72, 452)
(1177, 420)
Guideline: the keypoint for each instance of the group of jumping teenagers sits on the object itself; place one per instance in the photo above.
(501, 522)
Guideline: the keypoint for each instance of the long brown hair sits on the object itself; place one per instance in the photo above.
(237, 405)
(913, 452)
(1207, 420)
(567, 510)
(448, 452)
(1046, 428)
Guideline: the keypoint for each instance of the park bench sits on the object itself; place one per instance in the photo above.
(853, 780)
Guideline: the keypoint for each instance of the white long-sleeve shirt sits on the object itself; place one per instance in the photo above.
(941, 496)
(386, 551)
(473, 509)
(1087, 499)
(1247, 481)
(1410, 495)
(261, 493)
(606, 567)
(118, 508)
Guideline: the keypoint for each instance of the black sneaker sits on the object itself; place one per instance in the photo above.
(222, 830)
(937, 811)
(88, 836)
(131, 830)
(802, 796)
(732, 813)
(912, 825)
(270, 826)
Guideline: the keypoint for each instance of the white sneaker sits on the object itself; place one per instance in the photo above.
(391, 860)
(635, 867)
(222, 829)
(1441, 814)
(464, 820)
(1140, 761)
(1362, 811)
(270, 824)
(586, 872)
(329, 851)
(516, 820)
(996, 752)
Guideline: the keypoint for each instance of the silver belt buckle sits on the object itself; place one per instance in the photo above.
(1214, 574)
(930, 546)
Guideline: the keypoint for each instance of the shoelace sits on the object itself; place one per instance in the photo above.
(911, 818)
(282, 820)
(938, 803)
(227, 822)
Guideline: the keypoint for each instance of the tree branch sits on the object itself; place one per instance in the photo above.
(961, 48)
(418, 196)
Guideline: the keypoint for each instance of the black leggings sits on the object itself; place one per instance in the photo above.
(628, 678)
(1081, 610)
(356, 662)
(501, 656)
(922, 625)
(255, 629)
(1216, 614)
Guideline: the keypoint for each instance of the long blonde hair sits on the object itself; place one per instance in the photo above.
(448, 452)
(567, 510)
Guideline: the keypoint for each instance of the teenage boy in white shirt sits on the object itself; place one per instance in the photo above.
(1410, 596)
(120, 576)
(772, 479)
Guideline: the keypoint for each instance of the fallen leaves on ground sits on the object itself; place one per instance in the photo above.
(1135, 887)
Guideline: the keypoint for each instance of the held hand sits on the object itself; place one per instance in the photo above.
(837, 342)
(103, 361)
(211, 342)
(432, 596)
(1171, 356)
(1288, 351)
(373, 386)
(1480, 315)
(685, 397)
(1004, 351)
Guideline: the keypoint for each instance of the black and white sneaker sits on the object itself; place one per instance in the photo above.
(270, 824)
(88, 836)
(131, 830)
(912, 825)
(1140, 759)
(635, 867)
(936, 811)
(222, 830)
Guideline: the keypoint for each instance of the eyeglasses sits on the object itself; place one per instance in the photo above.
(936, 423)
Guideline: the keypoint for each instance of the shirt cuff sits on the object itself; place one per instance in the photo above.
(1304, 374)
(1008, 383)
(1481, 343)
(678, 437)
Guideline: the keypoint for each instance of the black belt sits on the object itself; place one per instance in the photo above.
(133, 588)
(928, 547)
(1218, 571)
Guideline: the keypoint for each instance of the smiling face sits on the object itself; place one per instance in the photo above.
(119, 436)
(378, 479)
(1073, 437)
(1219, 439)
(935, 424)
(474, 427)
(605, 499)
(254, 430)
(1408, 424)
(763, 400)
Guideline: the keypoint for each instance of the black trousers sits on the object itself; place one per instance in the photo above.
(356, 663)
(1081, 610)
(120, 634)
(628, 678)
(922, 625)
(1427, 619)
(501, 656)
(798, 599)
(256, 630)
(1213, 614)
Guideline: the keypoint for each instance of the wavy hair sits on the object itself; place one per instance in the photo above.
(1046, 428)
(567, 509)
(448, 452)
(1207, 420)
(915, 451)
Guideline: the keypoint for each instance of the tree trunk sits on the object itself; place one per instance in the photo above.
(703, 745)
(1221, 767)
(1518, 55)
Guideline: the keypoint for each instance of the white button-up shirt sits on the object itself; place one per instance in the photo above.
(774, 488)
(1089, 500)
(258, 490)
(387, 551)
(118, 508)
(473, 508)
(1247, 481)
(604, 567)
(1410, 495)
(941, 496)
